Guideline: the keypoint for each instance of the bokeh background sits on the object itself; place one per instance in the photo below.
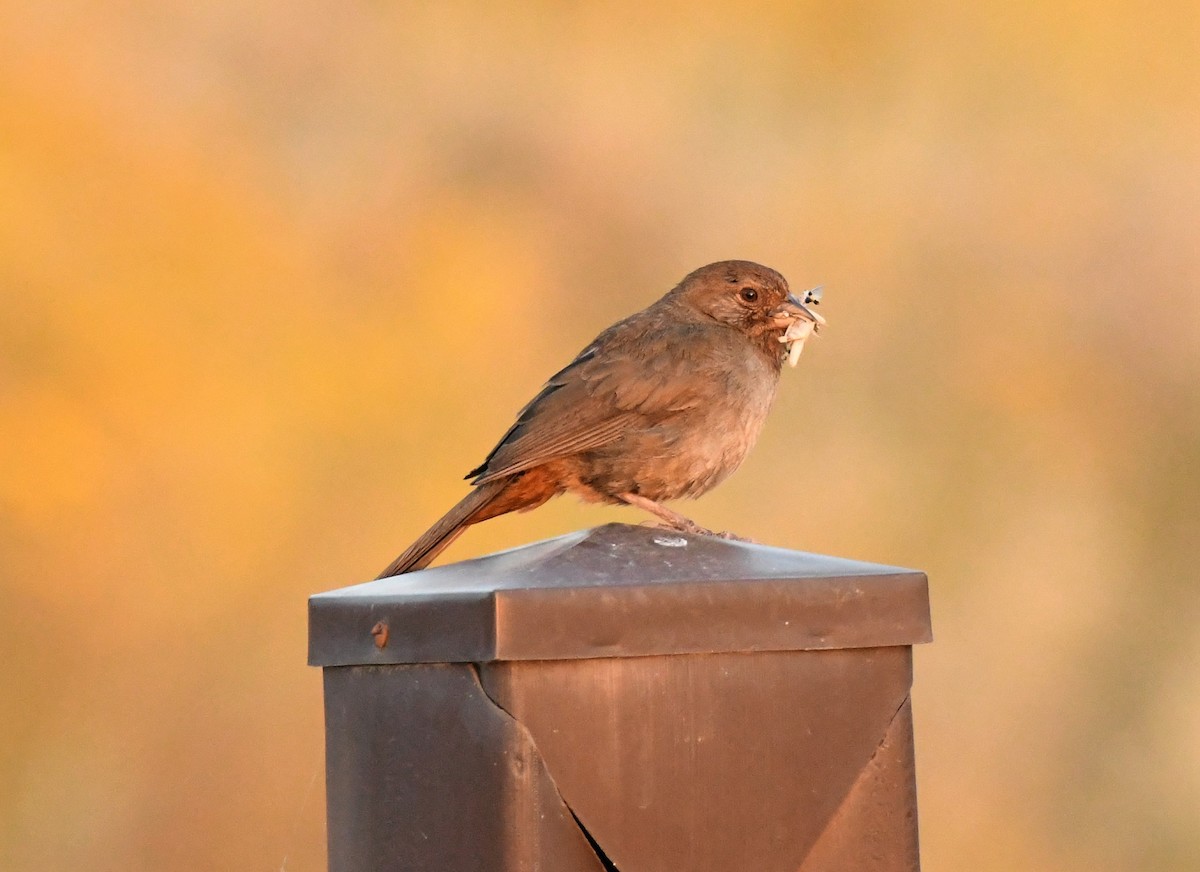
(273, 276)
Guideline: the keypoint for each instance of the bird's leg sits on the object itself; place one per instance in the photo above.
(673, 519)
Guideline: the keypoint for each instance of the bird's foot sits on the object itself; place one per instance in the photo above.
(672, 520)
(687, 525)
(725, 534)
(693, 527)
(683, 526)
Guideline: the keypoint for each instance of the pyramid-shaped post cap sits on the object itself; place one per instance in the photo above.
(620, 591)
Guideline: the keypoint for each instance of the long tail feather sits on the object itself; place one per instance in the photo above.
(437, 538)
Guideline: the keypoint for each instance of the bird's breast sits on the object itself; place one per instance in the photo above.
(688, 451)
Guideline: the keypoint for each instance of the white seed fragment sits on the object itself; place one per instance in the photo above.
(795, 335)
(794, 352)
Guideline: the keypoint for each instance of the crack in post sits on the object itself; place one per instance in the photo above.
(479, 681)
(608, 864)
(605, 862)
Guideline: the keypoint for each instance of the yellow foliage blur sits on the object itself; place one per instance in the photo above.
(274, 276)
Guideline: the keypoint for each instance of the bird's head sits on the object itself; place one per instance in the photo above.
(755, 300)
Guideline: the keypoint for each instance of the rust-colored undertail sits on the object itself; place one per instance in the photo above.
(516, 493)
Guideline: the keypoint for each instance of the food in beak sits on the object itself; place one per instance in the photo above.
(801, 328)
(794, 337)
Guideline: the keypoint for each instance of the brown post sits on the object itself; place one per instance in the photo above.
(623, 698)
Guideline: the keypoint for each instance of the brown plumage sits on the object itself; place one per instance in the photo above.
(662, 405)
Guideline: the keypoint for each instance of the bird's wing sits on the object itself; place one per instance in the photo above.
(613, 384)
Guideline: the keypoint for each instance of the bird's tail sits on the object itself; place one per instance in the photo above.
(437, 538)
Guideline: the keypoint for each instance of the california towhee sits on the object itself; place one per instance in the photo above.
(662, 405)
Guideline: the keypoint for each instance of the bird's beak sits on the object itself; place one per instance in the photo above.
(791, 310)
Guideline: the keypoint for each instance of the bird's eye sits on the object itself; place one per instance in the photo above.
(750, 295)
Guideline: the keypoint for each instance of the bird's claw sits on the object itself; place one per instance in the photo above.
(725, 534)
(696, 529)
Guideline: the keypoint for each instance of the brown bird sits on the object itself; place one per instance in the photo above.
(662, 405)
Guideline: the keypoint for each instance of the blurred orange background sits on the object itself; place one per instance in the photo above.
(273, 276)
